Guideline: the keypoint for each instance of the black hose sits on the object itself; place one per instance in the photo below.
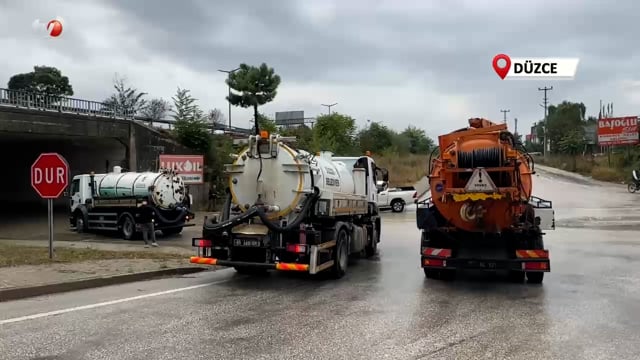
(253, 211)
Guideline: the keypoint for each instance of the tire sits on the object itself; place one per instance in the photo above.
(431, 273)
(340, 255)
(397, 205)
(632, 188)
(535, 277)
(172, 231)
(127, 227)
(372, 248)
(79, 222)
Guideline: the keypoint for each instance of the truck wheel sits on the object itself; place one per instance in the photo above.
(535, 277)
(397, 205)
(340, 255)
(127, 227)
(631, 188)
(372, 248)
(79, 222)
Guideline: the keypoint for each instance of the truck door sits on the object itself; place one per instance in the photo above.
(76, 199)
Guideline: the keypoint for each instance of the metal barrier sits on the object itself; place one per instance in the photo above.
(46, 102)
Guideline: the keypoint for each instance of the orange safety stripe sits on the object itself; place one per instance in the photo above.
(532, 254)
(203, 261)
(443, 253)
(292, 267)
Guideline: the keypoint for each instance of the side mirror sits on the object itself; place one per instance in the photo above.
(385, 175)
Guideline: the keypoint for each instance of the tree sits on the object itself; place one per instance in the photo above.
(572, 143)
(215, 117)
(267, 124)
(255, 86)
(156, 110)
(184, 106)
(335, 133)
(304, 136)
(127, 101)
(45, 79)
(419, 142)
(190, 125)
(376, 136)
(562, 119)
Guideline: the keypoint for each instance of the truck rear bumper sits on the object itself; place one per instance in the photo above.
(268, 266)
(526, 260)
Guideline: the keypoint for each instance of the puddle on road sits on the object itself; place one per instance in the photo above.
(620, 222)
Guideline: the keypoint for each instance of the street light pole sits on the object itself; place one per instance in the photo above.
(229, 72)
(329, 106)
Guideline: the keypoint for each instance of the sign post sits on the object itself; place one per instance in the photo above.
(49, 178)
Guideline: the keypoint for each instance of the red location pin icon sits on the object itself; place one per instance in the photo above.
(502, 71)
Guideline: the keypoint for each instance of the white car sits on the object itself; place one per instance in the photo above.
(395, 198)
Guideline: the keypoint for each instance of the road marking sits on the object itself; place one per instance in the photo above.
(106, 303)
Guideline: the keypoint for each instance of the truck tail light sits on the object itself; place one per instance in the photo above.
(297, 248)
(202, 243)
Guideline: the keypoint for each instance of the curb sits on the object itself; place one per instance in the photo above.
(17, 293)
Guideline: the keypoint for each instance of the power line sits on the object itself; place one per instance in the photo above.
(504, 112)
(329, 106)
(545, 102)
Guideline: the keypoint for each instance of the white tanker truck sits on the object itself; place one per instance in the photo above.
(108, 202)
(289, 210)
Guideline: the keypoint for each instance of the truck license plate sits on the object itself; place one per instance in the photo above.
(247, 242)
(487, 265)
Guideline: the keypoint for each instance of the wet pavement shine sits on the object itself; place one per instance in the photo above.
(588, 306)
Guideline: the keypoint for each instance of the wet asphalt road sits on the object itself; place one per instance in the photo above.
(587, 308)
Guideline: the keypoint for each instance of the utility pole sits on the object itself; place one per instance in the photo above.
(329, 106)
(515, 120)
(504, 112)
(545, 102)
(229, 72)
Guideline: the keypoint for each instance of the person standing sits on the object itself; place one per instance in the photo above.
(146, 218)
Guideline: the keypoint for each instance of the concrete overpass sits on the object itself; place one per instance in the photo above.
(91, 135)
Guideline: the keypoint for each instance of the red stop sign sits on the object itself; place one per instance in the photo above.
(50, 175)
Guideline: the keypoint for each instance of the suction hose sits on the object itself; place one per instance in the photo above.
(253, 211)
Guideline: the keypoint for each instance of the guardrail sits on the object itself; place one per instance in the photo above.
(46, 102)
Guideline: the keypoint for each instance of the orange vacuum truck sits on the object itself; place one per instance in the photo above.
(481, 213)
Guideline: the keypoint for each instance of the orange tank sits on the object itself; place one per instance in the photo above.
(480, 182)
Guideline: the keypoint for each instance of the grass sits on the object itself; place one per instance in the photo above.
(404, 170)
(599, 168)
(15, 255)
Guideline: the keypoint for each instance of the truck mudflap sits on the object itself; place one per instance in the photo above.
(312, 268)
(525, 260)
(275, 266)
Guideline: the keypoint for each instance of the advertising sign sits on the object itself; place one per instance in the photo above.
(189, 167)
(618, 131)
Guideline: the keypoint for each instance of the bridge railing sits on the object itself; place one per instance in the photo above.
(46, 102)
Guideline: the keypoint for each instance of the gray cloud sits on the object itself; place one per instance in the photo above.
(401, 62)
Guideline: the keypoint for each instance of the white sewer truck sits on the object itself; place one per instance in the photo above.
(110, 201)
(290, 210)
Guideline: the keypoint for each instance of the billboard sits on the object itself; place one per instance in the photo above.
(618, 131)
(190, 167)
(288, 118)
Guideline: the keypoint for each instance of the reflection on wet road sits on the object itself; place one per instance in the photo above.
(587, 308)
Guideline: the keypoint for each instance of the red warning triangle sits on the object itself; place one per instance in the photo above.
(480, 182)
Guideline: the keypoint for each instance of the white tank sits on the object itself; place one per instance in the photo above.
(286, 178)
(168, 187)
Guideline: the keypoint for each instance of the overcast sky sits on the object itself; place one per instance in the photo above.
(398, 62)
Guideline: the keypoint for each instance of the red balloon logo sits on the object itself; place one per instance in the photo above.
(54, 27)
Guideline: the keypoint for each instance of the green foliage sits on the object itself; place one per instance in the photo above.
(419, 142)
(45, 79)
(127, 101)
(190, 124)
(267, 123)
(218, 155)
(376, 136)
(304, 137)
(562, 119)
(255, 86)
(156, 110)
(335, 133)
